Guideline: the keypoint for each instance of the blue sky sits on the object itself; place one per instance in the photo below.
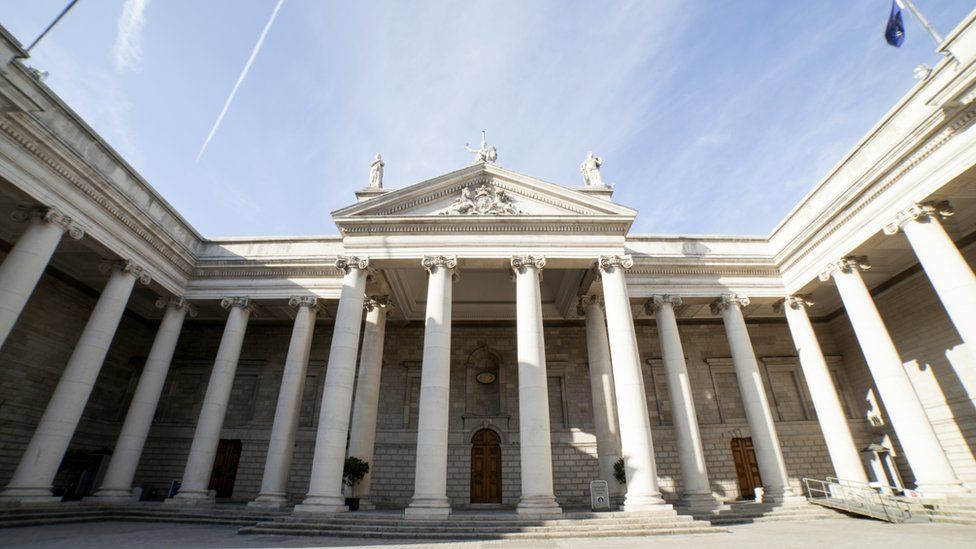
(711, 116)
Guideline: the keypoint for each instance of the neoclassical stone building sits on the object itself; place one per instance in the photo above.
(486, 338)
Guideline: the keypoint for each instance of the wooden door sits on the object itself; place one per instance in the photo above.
(486, 468)
(746, 467)
(225, 467)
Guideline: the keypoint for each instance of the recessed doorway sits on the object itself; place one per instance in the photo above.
(746, 467)
(225, 467)
(486, 467)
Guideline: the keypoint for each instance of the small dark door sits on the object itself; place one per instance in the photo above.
(746, 467)
(225, 467)
(486, 468)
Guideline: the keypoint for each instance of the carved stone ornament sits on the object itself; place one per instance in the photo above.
(485, 200)
(485, 378)
(728, 300)
(51, 215)
(608, 262)
(344, 263)
(381, 302)
(795, 301)
(522, 262)
(299, 301)
(235, 301)
(658, 301)
(845, 265)
(922, 212)
(176, 303)
(126, 266)
(586, 301)
(431, 262)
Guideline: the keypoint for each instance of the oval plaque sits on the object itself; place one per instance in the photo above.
(485, 377)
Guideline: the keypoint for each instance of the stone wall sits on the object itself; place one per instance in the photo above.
(35, 355)
(940, 365)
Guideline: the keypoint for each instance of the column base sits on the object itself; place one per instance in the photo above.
(783, 497)
(27, 495)
(649, 502)
(321, 505)
(192, 498)
(942, 490)
(538, 506)
(700, 502)
(269, 501)
(428, 509)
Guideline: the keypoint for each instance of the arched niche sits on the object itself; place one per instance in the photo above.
(483, 383)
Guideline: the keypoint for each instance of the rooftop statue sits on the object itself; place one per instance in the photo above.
(485, 154)
(376, 173)
(590, 168)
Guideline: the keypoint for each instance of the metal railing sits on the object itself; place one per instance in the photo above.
(873, 500)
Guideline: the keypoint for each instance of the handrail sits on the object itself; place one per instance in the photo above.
(857, 497)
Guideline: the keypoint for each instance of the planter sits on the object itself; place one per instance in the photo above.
(352, 503)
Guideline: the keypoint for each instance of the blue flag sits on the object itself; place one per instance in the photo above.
(895, 31)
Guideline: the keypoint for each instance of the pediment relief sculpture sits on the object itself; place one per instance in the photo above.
(485, 200)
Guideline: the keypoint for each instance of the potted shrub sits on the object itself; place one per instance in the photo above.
(352, 472)
(619, 472)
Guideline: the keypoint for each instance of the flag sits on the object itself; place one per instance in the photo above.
(895, 31)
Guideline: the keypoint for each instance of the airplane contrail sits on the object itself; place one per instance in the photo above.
(240, 79)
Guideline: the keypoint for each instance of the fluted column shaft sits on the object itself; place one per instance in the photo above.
(362, 433)
(535, 444)
(830, 414)
(602, 390)
(203, 450)
(769, 454)
(281, 445)
(34, 474)
(325, 486)
(697, 491)
(117, 483)
(947, 269)
(934, 475)
(430, 487)
(637, 448)
(24, 265)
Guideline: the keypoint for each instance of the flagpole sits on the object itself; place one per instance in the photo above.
(51, 26)
(921, 18)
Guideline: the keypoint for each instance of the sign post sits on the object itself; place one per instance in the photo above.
(599, 495)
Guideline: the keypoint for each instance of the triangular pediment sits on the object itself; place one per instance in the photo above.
(485, 191)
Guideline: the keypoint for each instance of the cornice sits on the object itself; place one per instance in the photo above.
(488, 224)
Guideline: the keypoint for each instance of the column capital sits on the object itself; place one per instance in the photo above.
(520, 263)
(382, 302)
(795, 301)
(126, 266)
(53, 216)
(657, 301)
(236, 301)
(299, 301)
(845, 265)
(608, 262)
(176, 303)
(919, 211)
(586, 301)
(344, 263)
(431, 262)
(726, 301)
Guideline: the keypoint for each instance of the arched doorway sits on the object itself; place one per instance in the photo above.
(486, 467)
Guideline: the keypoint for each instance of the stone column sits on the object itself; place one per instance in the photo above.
(947, 269)
(430, 488)
(934, 475)
(636, 446)
(602, 389)
(281, 445)
(769, 455)
(203, 450)
(830, 414)
(362, 433)
(117, 483)
(697, 492)
(24, 265)
(535, 442)
(325, 487)
(34, 474)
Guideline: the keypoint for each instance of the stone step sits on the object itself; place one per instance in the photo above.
(971, 521)
(499, 528)
(673, 519)
(556, 533)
